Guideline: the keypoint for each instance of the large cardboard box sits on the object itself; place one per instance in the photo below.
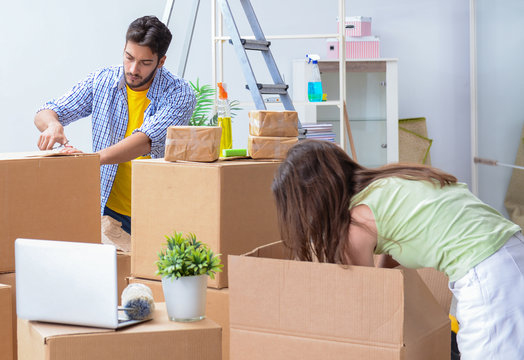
(52, 198)
(217, 307)
(227, 204)
(123, 265)
(157, 339)
(9, 279)
(6, 326)
(301, 310)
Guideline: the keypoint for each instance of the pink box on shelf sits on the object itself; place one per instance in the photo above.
(366, 47)
(362, 26)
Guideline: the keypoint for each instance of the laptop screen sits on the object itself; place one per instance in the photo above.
(66, 282)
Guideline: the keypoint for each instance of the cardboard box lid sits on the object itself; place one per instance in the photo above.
(366, 305)
(215, 164)
(39, 155)
(159, 324)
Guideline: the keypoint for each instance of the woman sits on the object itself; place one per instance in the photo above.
(335, 210)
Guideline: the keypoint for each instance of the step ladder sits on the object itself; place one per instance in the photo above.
(258, 44)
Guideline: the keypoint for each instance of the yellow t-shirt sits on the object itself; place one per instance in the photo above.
(120, 197)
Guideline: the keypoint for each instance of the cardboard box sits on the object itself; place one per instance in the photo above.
(156, 339)
(301, 310)
(367, 47)
(52, 198)
(267, 147)
(123, 264)
(273, 123)
(217, 307)
(9, 279)
(227, 204)
(193, 143)
(6, 325)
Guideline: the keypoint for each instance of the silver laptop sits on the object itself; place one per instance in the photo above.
(68, 283)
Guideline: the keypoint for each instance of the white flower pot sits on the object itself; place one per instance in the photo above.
(185, 297)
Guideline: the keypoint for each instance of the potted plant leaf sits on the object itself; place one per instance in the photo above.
(184, 266)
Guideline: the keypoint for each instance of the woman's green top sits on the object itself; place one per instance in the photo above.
(421, 224)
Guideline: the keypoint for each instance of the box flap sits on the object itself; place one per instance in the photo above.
(423, 317)
(317, 300)
(275, 250)
(437, 282)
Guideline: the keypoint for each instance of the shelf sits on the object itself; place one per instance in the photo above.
(319, 103)
(354, 120)
(282, 37)
(355, 65)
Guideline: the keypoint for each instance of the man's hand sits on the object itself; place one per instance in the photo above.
(50, 136)
(70, 150)
(52, 131)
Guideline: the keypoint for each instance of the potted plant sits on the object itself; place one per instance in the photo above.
(184, 266)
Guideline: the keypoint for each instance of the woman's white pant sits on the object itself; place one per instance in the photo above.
(490, 305)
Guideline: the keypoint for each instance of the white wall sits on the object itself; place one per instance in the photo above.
(61, 41)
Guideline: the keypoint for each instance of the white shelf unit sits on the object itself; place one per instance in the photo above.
(371, 87)
(218, 39)
(331, 69)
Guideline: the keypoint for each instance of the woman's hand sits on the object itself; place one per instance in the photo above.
(386, 261)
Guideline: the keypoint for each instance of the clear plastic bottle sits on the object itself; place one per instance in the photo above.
(314, 85)
(224, 118)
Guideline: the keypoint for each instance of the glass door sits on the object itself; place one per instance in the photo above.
(498, 58)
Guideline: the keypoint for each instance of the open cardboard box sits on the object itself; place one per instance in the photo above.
(6, 327)
(228, 205)
(47, 197)
(286, 309)
(159, 338)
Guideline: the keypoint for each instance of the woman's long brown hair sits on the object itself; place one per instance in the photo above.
(313, 189)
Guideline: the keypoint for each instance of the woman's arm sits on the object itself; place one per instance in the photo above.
(362, 236)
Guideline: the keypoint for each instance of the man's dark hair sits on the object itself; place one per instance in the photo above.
(151, 32)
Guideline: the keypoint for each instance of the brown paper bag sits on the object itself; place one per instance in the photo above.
(193, 143)
(273, 123)
(265, 147)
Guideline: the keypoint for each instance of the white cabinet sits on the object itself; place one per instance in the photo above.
(372, 103)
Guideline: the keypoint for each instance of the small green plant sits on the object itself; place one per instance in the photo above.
(205, 111)
(185, 256)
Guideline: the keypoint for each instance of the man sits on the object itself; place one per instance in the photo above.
(131, 107)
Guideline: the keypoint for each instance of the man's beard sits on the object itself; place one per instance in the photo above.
(143, 82)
